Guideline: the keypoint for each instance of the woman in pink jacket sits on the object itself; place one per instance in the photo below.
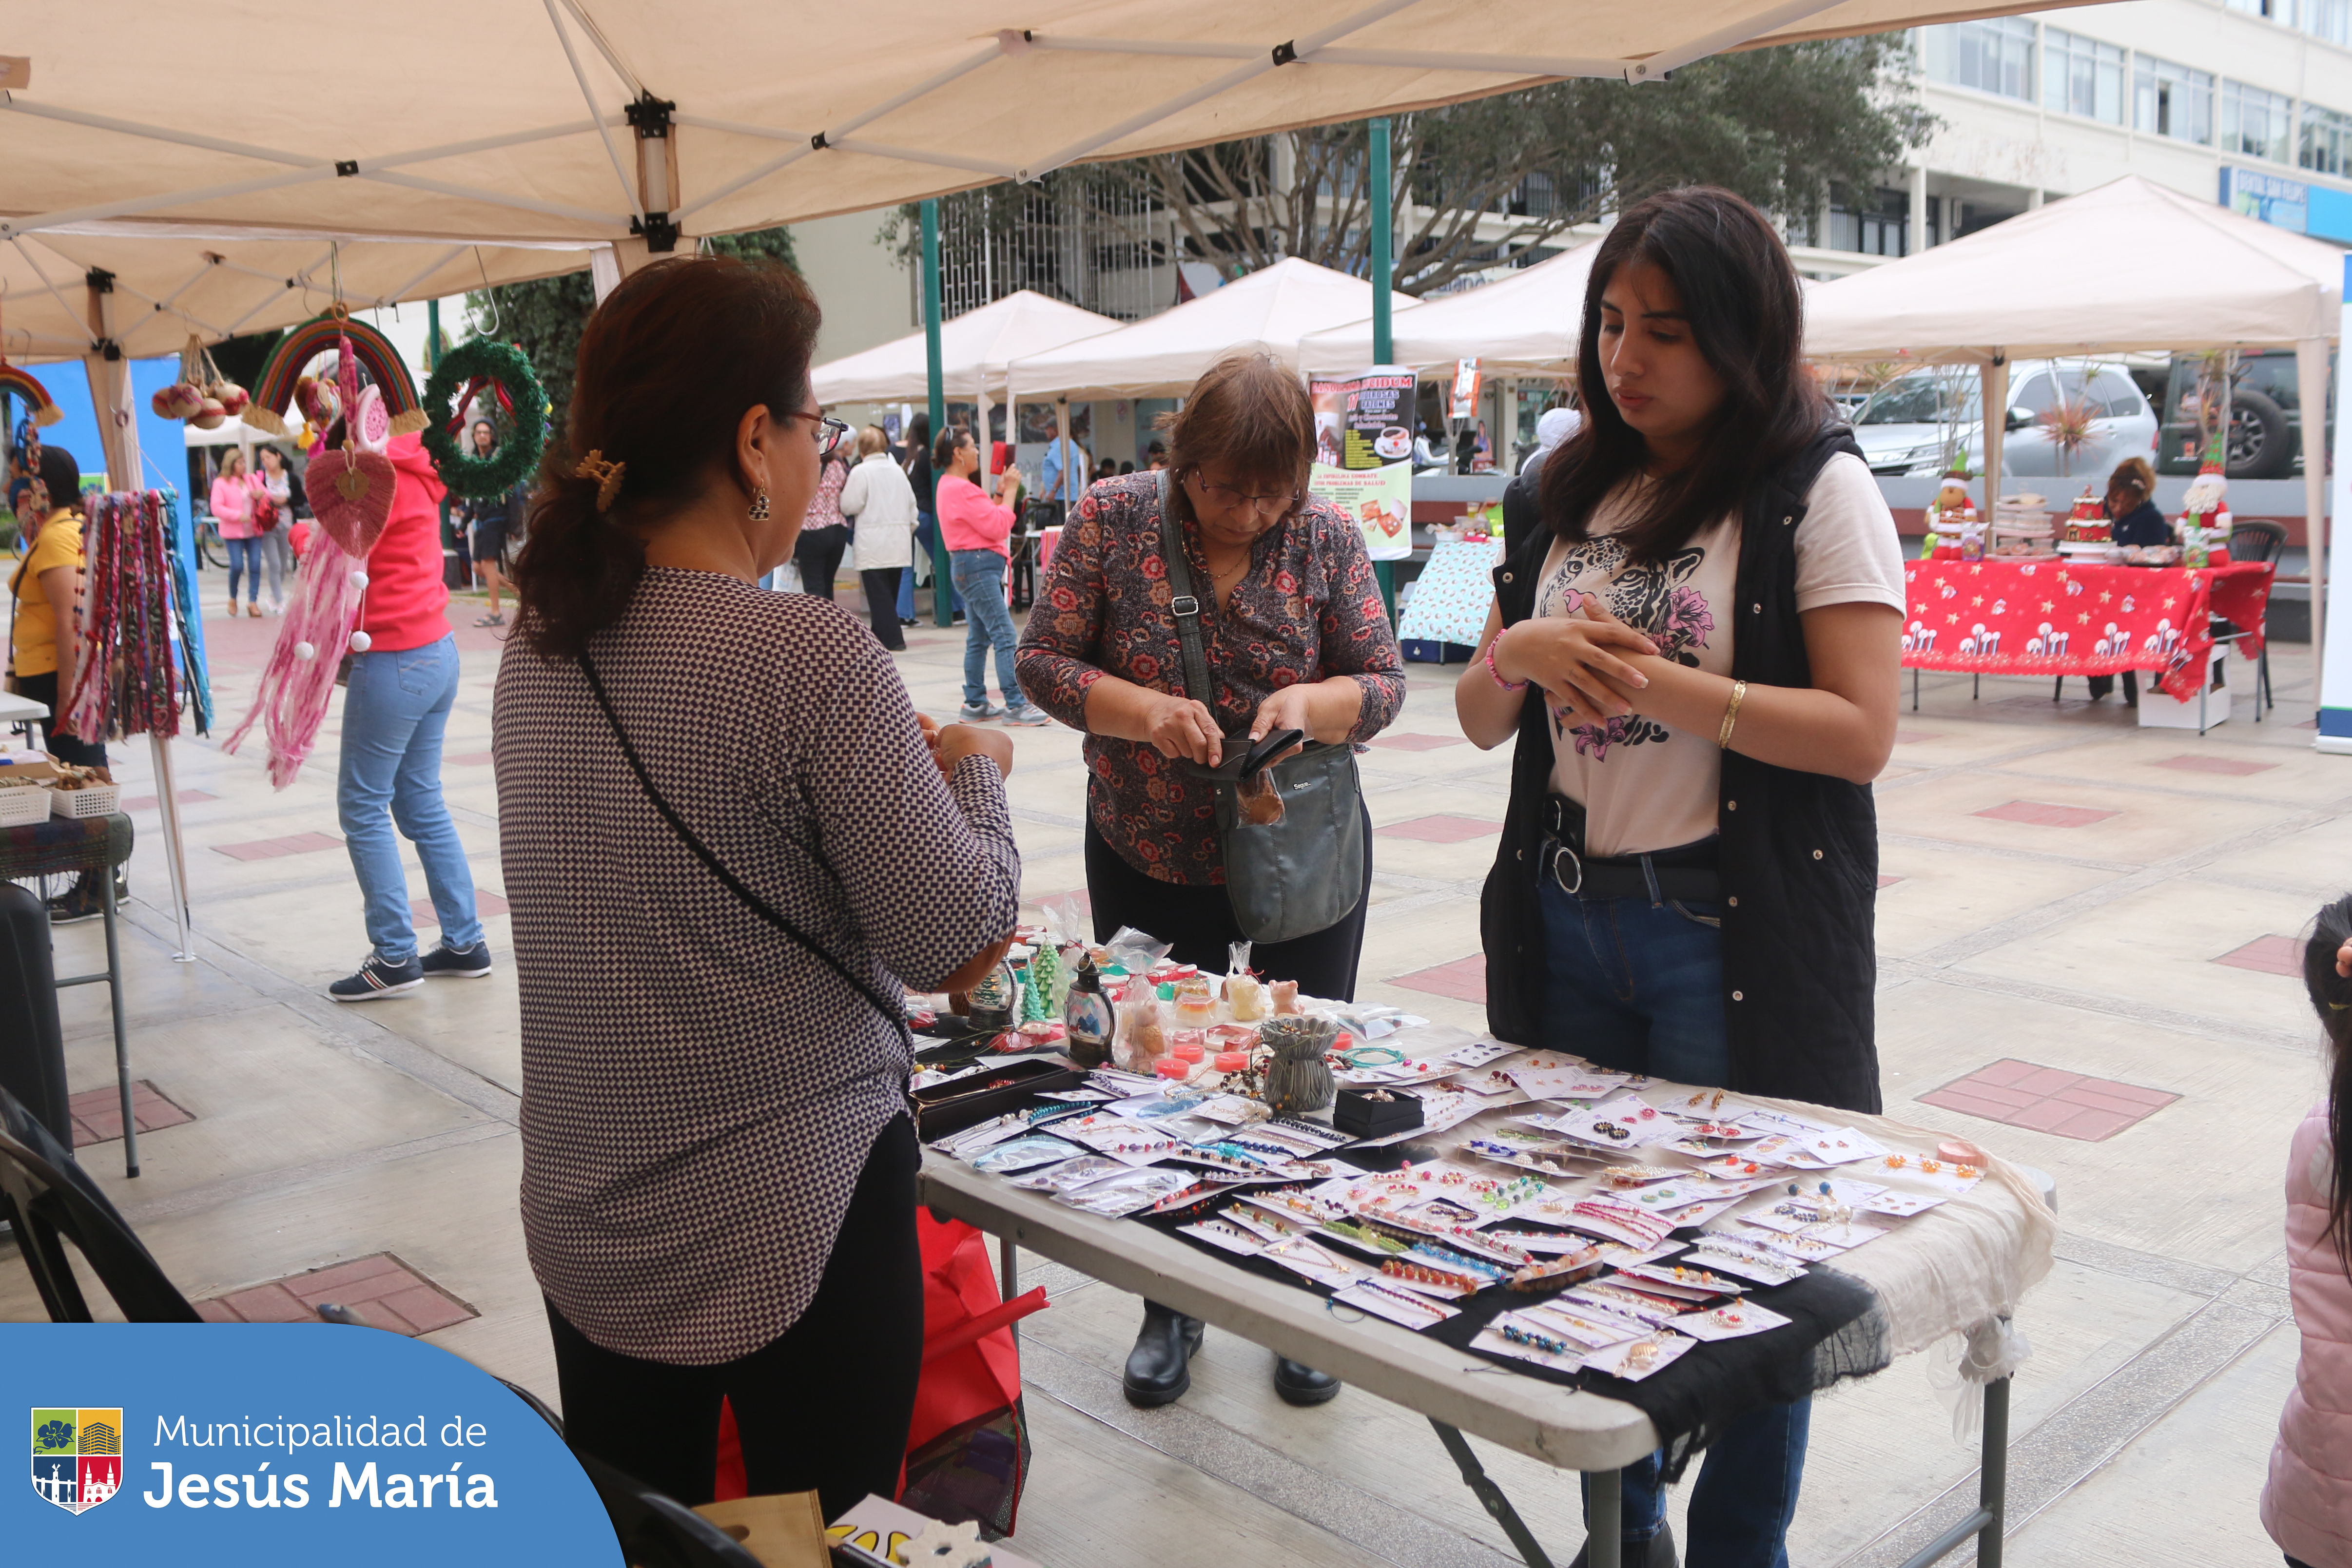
(233, 493)
(2307, 1503)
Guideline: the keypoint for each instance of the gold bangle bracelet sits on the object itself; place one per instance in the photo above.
(1731, 714)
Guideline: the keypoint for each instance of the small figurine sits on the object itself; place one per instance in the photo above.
(946, 1546)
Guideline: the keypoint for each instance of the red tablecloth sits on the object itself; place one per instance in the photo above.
(2050, 618)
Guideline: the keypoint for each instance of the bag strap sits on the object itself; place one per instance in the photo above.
(1185, 606)
(734, 885)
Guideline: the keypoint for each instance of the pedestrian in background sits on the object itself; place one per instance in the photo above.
(979, 532)
(926, 524)
(396, 709)
(44, 643)
(284, 488)
(1295, 638)
(2308, 1500)
(879, 502)
(233, 493)
(1063, 477)
(488, 522)
(824, 534)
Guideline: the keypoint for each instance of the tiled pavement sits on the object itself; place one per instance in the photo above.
(323, 1137)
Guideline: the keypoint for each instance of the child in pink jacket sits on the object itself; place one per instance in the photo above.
(2308, 1503)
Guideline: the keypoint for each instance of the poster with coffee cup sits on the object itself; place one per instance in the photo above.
(1363, 454)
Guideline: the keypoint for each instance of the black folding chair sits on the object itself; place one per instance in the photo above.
(48, 1200)
(657, 1531)
(2258, 539)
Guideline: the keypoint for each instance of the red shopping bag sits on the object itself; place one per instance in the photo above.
(968, 1445)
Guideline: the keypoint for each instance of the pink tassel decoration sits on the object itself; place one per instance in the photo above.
(295, 689)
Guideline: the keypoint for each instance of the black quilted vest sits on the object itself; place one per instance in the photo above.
(1799, 856)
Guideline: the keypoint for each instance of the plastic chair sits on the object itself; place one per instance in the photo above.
(2267, 540)
(48, 1200)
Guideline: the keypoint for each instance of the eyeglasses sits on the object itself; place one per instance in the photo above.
(1226, 495)
(830, 433)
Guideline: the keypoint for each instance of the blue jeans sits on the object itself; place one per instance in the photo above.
(244, 558)
(394, 711)
(979, 579)
(927, 534)
(1638, 986)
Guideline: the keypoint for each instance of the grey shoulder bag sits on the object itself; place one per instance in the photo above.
(1306, 873)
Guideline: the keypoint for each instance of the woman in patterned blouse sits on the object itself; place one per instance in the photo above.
(1295, 639)
(717, 1163)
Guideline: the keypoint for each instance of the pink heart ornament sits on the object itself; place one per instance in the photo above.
(350, 494)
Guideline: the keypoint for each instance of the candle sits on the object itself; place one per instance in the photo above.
(1233, 1061)
(1173, 1066)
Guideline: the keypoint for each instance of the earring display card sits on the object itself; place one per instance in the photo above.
(1398, 1306)
(1479, 1053)
(1734, 1322)
(1222, 1232)
(1639, 1358)
(1556, 1078)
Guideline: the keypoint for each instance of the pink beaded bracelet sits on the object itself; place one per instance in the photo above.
(1507, 685)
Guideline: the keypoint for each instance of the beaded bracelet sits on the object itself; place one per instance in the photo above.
(1507, 685)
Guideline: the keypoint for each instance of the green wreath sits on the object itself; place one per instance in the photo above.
(467, 367)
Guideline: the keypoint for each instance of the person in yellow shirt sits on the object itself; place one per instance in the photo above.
(47, 588)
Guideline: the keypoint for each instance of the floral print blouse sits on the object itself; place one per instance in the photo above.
(824, 506)
(1307, 608)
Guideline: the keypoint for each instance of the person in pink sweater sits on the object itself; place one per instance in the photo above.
(233, 493)
(2307, 1502)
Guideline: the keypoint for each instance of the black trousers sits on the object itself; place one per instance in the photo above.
(2101, 684)
(881, 586)
(1198, 923)
(818, 554)
(823, 1406)
(64, 747)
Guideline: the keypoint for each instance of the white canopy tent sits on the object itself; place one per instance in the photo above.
(1525, 324)
(1163, 355)
(2124, 266)
(975, 351)
(631, 121)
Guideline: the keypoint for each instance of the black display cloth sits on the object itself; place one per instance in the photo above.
(1835, 1330)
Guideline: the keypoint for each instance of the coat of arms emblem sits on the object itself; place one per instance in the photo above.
(77, 1456)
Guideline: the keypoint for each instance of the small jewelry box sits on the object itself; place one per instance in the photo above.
(1375, 1112)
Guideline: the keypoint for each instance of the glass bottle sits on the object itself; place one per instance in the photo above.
(1088, 1019)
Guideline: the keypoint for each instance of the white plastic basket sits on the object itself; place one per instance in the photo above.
(97, 800)
(23, 803)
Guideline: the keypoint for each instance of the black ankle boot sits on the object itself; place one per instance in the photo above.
(1301, 1384)
(1158, 1369)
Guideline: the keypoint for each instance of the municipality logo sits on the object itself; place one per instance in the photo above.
(76, 1456)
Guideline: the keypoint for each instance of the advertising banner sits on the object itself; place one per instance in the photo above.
(1363, 455)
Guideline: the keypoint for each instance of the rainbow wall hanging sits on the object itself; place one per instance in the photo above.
(274, 394)
(36, 395)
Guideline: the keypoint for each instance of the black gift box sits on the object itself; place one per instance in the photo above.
(1375, 1112)
(961, 1102)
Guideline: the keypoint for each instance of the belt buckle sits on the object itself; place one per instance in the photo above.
(1564, 853)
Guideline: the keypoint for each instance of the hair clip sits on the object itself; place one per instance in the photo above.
(606, 474)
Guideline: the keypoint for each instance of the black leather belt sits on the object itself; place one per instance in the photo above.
(1686, 874)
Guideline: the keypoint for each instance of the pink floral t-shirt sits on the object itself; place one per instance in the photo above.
(1645, 784)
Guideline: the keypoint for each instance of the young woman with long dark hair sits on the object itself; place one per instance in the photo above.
(2307, 1500)
(1697, 648)
(728, 836)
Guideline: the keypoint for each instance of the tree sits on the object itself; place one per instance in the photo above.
(544, 317)
(1779, 126)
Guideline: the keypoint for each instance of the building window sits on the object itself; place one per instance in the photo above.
(2328, 19)
(2172, 101)
(2082, 76)
(2255, 8)
(1876, 223)
(1995, 54)
(2254, 123)
(2326, 141)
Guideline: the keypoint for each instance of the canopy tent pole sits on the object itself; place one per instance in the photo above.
(2335, 665)
(985, 441)
(1994, 374)
(118, 431)
(942, 578)
(2311, 388)
(1383, 333)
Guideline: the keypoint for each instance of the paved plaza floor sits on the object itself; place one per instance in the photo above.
(2086, 939)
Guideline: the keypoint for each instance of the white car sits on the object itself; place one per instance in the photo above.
(1918, 422)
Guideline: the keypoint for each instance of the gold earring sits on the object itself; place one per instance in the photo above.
(759, 504)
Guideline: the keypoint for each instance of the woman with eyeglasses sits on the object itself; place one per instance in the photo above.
(1295, 639)
(730, 840)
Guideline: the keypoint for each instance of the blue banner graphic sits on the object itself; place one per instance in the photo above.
(198, 1444)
